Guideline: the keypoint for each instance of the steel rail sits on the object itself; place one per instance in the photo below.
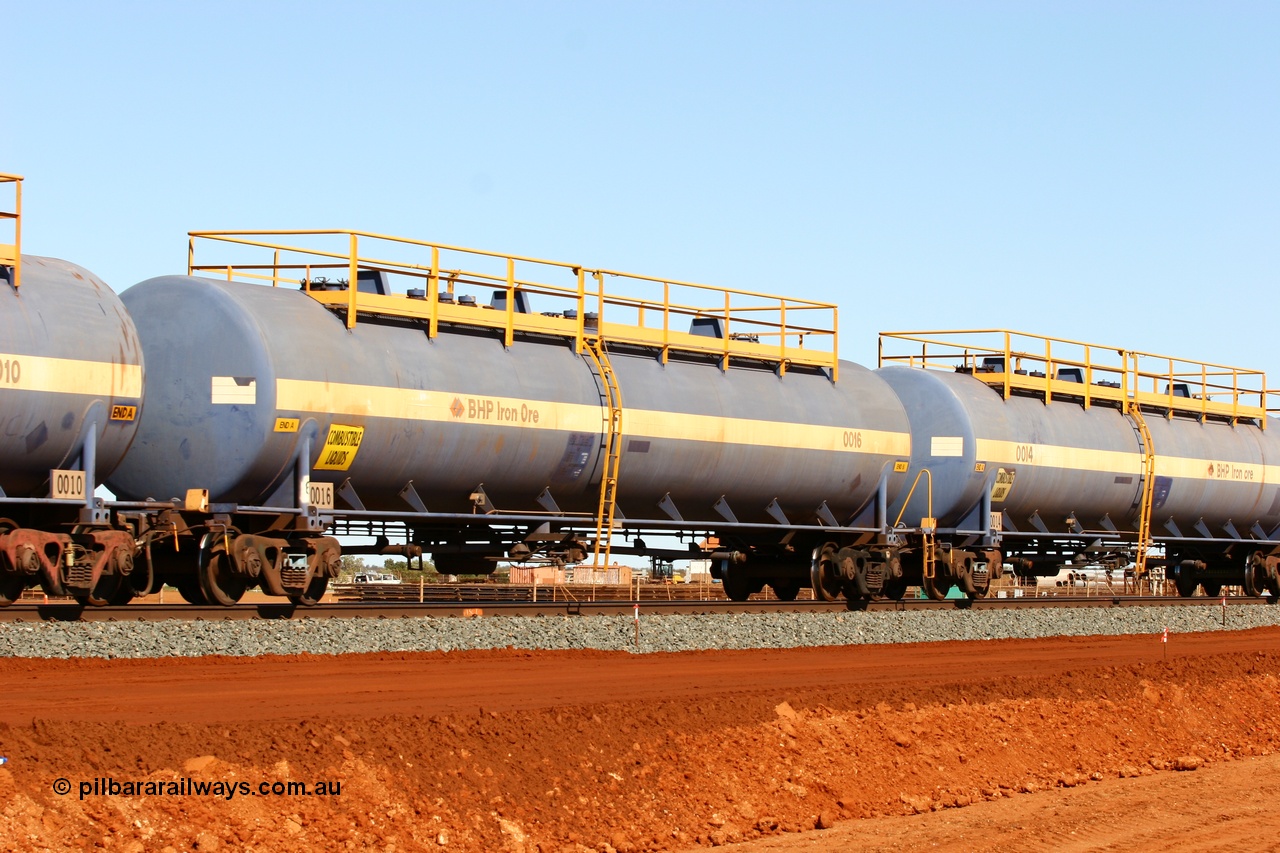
(70, 612)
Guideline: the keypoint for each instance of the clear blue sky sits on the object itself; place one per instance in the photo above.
(1102, 171)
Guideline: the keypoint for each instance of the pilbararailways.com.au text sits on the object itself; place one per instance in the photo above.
(188, 787)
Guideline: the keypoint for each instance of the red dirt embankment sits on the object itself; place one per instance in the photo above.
(588, 750)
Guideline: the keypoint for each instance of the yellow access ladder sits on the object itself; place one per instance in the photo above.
(595, 347)
(1148, 491)
(927, 528)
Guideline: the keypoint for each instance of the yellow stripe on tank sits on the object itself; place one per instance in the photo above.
(297, 395)
(997, 452)
(1015, 453)
(376, 401)
(1216, 470)
(793, 436)
(70, 376)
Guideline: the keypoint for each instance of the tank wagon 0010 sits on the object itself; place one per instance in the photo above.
(71, 385)
(309, 387)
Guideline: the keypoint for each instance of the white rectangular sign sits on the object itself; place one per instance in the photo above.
(66, 485)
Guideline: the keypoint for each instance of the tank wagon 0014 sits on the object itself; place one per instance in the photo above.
(306, 388)
(1081, 454)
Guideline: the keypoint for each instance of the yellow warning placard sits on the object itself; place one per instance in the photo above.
(340, 448)
(1004, 484)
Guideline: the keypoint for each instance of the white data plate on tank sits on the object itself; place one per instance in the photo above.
(66, 485)
(947, 445)
(234, 390)
(320, 495)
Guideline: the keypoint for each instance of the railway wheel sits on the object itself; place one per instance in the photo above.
(863, 576)
(218, 580)
(737, 586)
(1185, 579)
(12, 583)
(12, 580)
(106, 590)
(133, 577)
(824, 576)
(937, 587)
(123, 595)
(895, 588)
(102, 594)
(11, 586)
(786, 590)
(311, 596)
(1212, 588)
(189, 588)
(1255, 575)
(140, 581)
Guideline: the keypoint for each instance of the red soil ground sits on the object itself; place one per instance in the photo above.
(1047, 743)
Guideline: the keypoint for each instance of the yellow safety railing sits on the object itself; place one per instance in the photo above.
(928, 475)
(1088, 373)
(441, 284)
(11, 253)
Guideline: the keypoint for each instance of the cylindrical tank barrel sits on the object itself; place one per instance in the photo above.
(70, 365)
(1061, 465)
(247, 377)
(754, 437)
(1213, 477)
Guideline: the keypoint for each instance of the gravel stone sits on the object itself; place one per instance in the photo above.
(174, 638)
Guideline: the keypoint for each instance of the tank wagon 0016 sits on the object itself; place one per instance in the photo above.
(307, 388)
(429, 404)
